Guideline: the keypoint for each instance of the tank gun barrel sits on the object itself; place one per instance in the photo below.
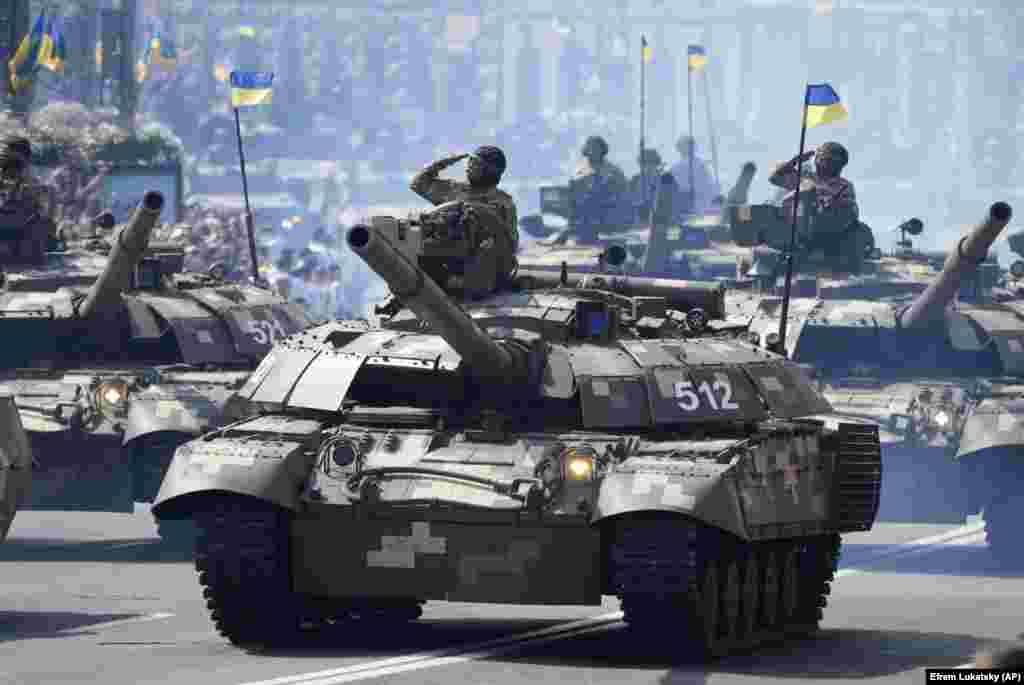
(970, 251)
(426, 299)
(127, 248)
(740, 192)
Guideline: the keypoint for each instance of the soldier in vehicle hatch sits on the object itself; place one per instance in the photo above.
(492, 209)
(834, 194)
(835, 228)
(24, 201)
(597, 191)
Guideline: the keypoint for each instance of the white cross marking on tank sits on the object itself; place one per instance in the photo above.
(399, 551)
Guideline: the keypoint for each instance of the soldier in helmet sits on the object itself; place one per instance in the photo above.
(659, 199)
(834, 194)
(22, 196)
(597, 191)
(835, 227)
(491, 209)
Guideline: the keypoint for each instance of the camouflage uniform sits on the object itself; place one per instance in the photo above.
(595, 196)
(500, 222)
(18, 187)
(836, 229)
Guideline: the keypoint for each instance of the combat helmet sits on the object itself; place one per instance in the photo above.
(492, 158)
(835, 154)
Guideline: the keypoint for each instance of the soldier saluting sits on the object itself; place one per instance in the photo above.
(834, 194)
(493, 210)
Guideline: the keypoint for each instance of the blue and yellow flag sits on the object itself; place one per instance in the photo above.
(56, 46)
(22, 66)
(823, 106)
(251, 88)
(645, 50)
(696, 58)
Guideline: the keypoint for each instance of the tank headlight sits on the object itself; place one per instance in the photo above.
(579, 464)
(112, 397)
(941, 418)
(771, 340)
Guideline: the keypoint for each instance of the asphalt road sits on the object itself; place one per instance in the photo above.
(95, 598)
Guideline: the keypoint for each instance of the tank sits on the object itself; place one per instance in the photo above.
(114, 356)
(567, 437)
(933, 359)
(695, 247)
(15, 464)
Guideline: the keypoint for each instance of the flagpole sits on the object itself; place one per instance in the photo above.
(248, 211)
(643, 168)
(792, 234)
(689, 104)
(711, 126)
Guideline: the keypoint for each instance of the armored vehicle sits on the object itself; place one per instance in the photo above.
(936, 364)
(563, 437)
(694, 247)
(115, 356)
(15, 464)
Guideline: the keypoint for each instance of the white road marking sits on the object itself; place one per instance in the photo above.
(426, 659)
(964, 535)
(457, 655)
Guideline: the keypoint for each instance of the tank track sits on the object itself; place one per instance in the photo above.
(1002, 530)
(243, 561)
(726, 595)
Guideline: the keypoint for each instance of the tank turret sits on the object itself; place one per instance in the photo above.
(127, 249)
(970, 252)
(427, 300)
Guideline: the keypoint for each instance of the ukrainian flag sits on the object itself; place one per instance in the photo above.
(823, 106)
(46, 46)
(251, 88)
(163, 55)
(696, 58)
(58, 50)
(645, 50)
(22, 66)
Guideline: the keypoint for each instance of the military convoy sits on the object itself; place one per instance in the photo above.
(114, 356)
(566, 437)
(698, 248)
(942, 382)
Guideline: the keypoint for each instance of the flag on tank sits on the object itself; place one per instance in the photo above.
(822, 105)
(696, 58)
(250, 88)
(22, 66)
(645, 49)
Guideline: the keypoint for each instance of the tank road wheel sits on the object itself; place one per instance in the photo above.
(770, 591)
(789, 600)
(242, 556)
(751, 605)
(731, 602)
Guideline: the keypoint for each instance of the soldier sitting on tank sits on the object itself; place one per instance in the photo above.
(23, 205)
(655, 193)
(833, 225)
(490, 211)
(596, 193)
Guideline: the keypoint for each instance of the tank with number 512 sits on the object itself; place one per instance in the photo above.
(522, 438)
(114, 355)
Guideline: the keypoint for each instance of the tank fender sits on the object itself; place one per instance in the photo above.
(274, 469)
(179, 410)
(706, 493)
